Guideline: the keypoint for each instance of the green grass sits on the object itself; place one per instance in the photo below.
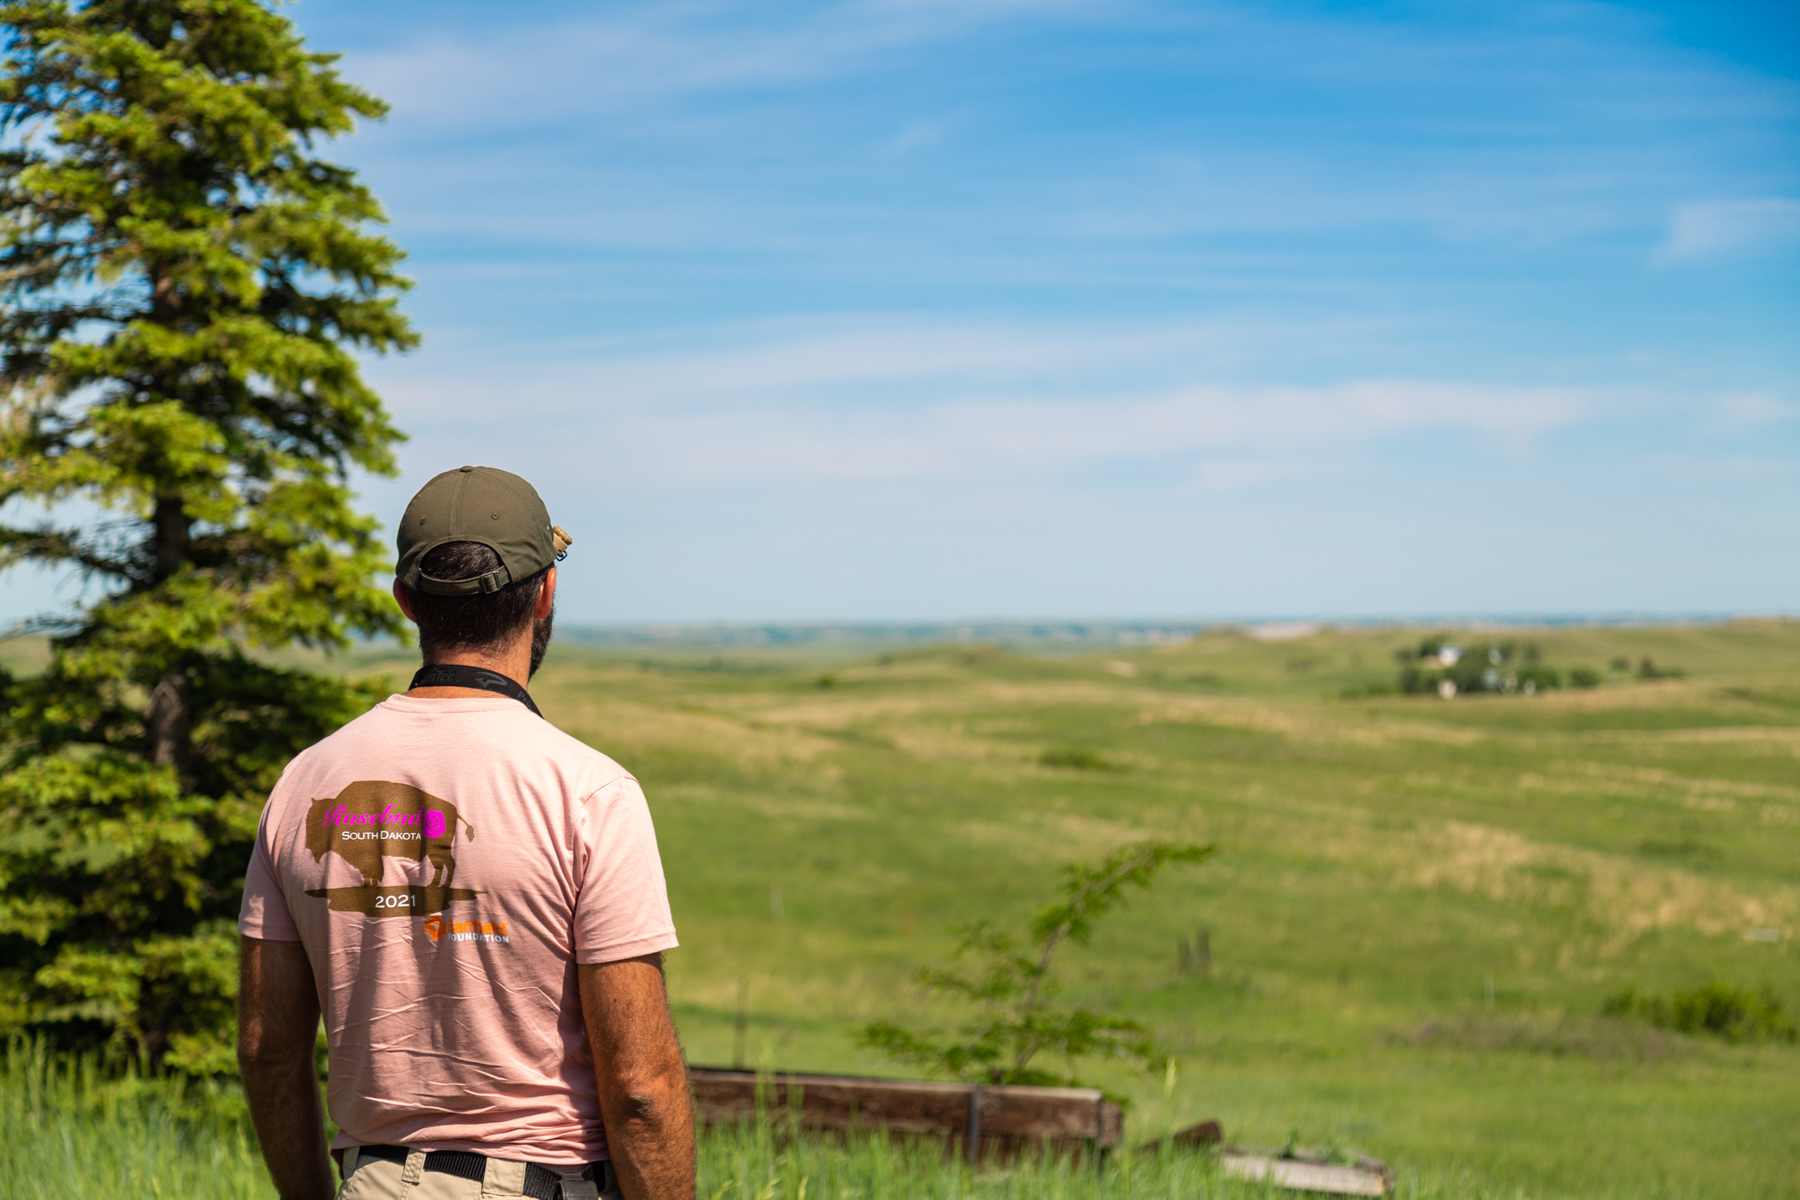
(78, 1133)
(1416, 916)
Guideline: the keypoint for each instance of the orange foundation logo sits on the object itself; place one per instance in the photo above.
(436, 928)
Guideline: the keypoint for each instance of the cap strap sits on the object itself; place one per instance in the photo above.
(493, 581)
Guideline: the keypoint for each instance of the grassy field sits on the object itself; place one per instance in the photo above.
(78, 1133)
(1416, 914)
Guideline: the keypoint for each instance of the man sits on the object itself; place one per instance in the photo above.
(475, 901)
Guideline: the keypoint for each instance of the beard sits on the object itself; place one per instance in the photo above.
(540, 640)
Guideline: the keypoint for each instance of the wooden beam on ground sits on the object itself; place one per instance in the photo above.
(980, 1121)
(1300, 1175)
(1202, 1134)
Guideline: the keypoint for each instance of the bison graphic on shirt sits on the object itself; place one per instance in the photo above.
(371, 821)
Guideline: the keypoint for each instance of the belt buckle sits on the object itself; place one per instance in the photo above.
(579, 1186)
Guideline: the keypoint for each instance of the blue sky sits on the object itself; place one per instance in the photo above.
(921, 309)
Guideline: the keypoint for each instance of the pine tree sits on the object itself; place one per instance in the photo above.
(184, 286)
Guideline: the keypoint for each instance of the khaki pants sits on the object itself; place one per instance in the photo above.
(378, 1179)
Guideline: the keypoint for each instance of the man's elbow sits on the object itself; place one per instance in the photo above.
(648, 1097)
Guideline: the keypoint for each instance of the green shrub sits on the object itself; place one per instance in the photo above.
(1542, 679)
(1076, 758)
(1584, 677)
(1415, 680)
(1722, 1010)
(1014, 1018)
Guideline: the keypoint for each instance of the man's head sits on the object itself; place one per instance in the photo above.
(476, 570)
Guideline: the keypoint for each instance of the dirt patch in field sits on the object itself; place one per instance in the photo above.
(1631, 696)
(1342, 725)
(836, 709)
(1063, 835)
(1781, 738)
(1689, 787)
(1477, 858)
(900, 717)
(1226, 714)
(1636, 899)
(839, 707)
(1626, 896)
(750, 743)
(1386, 732)
(952, 743)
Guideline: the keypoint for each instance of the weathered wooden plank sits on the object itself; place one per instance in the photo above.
(1200, 1135)
(1027, 1111)
(1327, 1178)
(832, 1103)
(995, 1120)
(1112, 1124)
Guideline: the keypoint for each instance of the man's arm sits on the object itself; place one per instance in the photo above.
(278, 1018)
(643, 1081)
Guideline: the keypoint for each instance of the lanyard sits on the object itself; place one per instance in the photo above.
(459, 675)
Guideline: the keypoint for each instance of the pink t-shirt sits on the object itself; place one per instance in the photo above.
(446, 863)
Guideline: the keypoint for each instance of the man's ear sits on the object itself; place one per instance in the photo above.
(546, 597)
(403, 598)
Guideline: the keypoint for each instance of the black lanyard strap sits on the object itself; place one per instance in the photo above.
(459, 675)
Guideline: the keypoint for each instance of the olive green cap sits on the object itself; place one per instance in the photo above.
(478, 504)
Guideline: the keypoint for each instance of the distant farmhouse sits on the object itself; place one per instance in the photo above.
(1440, 666)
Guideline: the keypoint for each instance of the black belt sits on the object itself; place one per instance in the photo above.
(541, 1182)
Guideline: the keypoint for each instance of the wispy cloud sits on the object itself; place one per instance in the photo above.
(531, 73)
(850, 359)
(1532, 128)
(918, 402)
(1715, 229)
(1712, 470)
(911, 137)
(1752, 410)
(1523, 197)
(1230, 437)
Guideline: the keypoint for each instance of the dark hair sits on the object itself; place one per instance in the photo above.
(477, 621)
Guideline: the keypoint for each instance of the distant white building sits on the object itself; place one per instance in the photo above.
(1448, 656)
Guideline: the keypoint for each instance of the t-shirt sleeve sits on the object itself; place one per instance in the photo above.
(622, 902)
(264, 913)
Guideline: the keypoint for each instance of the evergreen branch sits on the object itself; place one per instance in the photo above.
(62, 545)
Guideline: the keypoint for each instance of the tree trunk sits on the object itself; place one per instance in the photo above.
(170, 723)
